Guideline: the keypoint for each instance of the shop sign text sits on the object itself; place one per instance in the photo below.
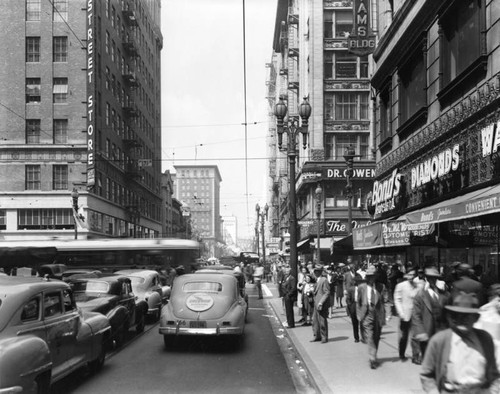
(435, 167)
(490, 138)
(385, 191)
(357, 173)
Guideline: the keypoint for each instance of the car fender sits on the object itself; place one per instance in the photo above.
(154, 299)
(93, 324)
(23, 359)
(117, 317)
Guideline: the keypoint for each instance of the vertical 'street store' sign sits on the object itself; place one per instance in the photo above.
(90, 95)
(361, 41)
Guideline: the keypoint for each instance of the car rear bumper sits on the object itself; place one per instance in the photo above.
(214, 331)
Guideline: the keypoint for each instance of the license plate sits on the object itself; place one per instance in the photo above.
(198, 324)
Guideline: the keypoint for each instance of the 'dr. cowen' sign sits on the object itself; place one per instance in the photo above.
(90, 95)
(361, 41)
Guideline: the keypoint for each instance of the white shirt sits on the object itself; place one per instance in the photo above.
(466, 366)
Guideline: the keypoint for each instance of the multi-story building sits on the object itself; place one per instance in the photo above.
(80, 110)
(230, 230)
(437, 84)
(311, 57)
(198, 186)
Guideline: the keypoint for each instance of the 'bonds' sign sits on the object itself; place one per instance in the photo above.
(361, 42)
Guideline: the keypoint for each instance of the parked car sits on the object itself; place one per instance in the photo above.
(44, 336)
(74, 273)
(112, 296)
(146, 285)
(52, 270)
(203, 304)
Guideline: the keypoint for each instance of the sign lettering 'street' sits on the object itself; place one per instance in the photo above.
(90, 95)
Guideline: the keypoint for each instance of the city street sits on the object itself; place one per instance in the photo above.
(193, 366)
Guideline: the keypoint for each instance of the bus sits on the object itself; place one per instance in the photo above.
(107, 254)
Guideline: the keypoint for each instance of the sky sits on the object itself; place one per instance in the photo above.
(203, 100)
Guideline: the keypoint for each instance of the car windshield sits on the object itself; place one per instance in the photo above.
(91, 287)
(193, 287)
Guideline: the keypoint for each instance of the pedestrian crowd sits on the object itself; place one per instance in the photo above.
(451, 321)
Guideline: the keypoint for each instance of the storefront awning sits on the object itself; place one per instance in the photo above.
(390, 234)
(304, 244)
(324, 243)
(480, 202)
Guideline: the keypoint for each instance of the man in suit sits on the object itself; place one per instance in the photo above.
(467, 284)
(461, 359)
(427, 315)
(372, 307)
(404, 293)
(350, 300)
(289, 291)
(321, 306)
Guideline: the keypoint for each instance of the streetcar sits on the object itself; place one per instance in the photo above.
(107, 254)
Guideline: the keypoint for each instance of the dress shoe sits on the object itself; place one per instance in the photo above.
(324, 341)
(373, 364)
(403, 358)
(416, 360)
(315, 340)
(356, 340)
(301, 320)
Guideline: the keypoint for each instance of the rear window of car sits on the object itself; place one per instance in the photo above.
(192, 287)
(136, 280)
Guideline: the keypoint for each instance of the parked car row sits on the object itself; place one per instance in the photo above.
(50, 327)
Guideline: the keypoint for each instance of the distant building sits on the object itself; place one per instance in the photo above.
(81, 109)
(199, 188)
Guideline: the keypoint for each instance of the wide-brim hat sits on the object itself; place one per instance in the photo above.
(432, 272)
(464, 303)
(371, 270)
(319, 267)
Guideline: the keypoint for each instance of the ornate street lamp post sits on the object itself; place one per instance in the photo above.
(318, 193)
(349, 155)
(262, 214)
(74, 198)
(292, 129)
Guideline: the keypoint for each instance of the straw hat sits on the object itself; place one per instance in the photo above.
(464, 303)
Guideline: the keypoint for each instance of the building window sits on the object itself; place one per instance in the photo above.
(33, 10)
(60, 90)
(346, 106)
(343, 23)
(328, 24)
(33, 131)
(60, 177)
(60, 131)
(60, 10)
(33, 177)
(385, 114)
(335, 145)
(33, 90)
(60, 49)
(346, 65)
(108, 114)
(329, 65)
(107, 42)
(412, 92)
(461, 37)
(32, 49)
(35, 219)
(3, 221)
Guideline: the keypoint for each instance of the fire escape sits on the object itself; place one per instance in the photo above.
(132, 144)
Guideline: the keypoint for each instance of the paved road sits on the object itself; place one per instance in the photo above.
(195, 366)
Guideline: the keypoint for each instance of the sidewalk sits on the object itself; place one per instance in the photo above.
(341, 366)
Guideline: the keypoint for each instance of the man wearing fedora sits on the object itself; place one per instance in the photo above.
(372, 307)
(321, 305)
(460, 359)
(289, 289)
(427, 316)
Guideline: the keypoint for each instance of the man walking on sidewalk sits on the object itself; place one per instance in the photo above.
(289, 288)
(404, 293)
(372, 307)
(321, 306)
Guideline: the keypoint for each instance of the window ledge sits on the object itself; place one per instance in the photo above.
(463, 82)
(416, 120)
(385, 143)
